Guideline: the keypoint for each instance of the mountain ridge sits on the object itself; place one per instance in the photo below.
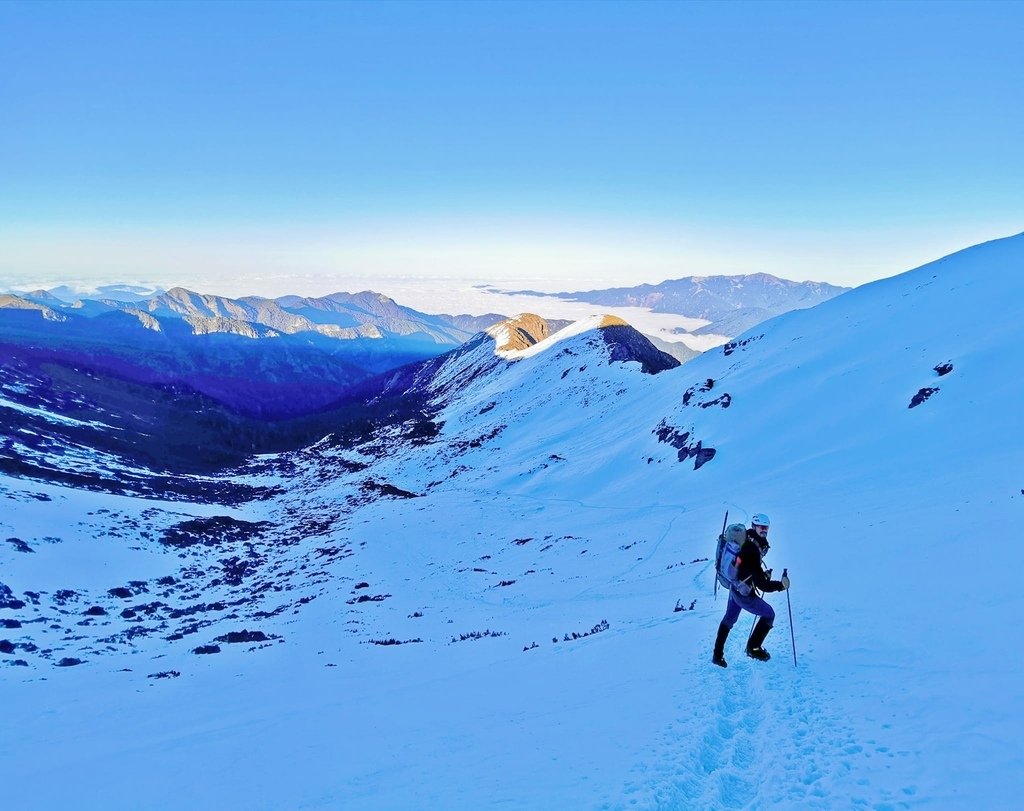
(732, 304)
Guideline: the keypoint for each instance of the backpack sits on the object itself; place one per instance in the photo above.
(727, 555)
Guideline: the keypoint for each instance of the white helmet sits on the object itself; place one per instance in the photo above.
(760, 519)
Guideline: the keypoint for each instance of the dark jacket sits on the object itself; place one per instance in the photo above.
(751, 567)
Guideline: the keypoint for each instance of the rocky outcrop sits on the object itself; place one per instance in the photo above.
(627, 344)
(518, 333)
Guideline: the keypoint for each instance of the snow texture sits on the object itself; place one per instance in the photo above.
(520, 569)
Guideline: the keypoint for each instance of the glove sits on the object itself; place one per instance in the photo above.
(785, 582)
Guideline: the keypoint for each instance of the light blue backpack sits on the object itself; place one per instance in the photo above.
(727, 558)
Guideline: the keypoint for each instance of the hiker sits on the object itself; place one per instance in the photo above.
(750, 576)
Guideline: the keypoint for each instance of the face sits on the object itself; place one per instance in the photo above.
(761, 530)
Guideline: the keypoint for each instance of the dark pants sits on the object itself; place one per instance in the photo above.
(751, 603)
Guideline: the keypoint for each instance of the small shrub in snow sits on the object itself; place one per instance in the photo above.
(476, 635)
(366, 598)
(601, 626)
(684, 563)
(393, 641)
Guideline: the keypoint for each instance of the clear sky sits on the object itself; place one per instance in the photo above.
(238, 147)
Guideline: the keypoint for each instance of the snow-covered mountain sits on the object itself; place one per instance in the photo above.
(505, 599)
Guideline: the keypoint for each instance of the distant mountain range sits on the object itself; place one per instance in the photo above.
(341, 316)
(266, 358)
(733, 304)
(281, 358)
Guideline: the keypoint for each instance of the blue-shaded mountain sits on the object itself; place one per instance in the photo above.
(262, 358)
(733, 304)
(341, 316)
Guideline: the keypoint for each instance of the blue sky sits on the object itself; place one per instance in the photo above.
(602, 142)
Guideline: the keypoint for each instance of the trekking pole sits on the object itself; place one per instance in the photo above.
(792, 637)
(722, 535)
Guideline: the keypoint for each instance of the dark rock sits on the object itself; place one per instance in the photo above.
(366, 598)
(120, 591)
(697, 388)
(69, 661)
(6, 646)
(20, 545)
(921, 396)
(732, 346)
(235, 637)
(202, 649)
(724, 401)
(128, 614)
(6, 623)
(687, 448)
(166, 674)
(703, 456)
(201, 608)
(386, 489)
(95, 611)
(7, 598)
(627, 344)
(944, 368)
(235, 570)
(20, 663)
(213, 531)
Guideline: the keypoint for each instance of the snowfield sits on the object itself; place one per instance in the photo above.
(516, 610)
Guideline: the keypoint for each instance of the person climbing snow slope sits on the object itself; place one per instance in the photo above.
(750, 576)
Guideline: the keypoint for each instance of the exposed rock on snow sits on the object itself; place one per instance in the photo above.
(921, 396)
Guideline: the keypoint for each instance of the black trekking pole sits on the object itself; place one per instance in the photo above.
(792, 637)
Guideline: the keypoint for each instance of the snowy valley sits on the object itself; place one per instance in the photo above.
(505, 599)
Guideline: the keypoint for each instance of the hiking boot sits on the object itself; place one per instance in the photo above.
(718, 657)
(754, 649)
(758, 653)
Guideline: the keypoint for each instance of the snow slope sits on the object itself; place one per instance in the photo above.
(529, 554)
